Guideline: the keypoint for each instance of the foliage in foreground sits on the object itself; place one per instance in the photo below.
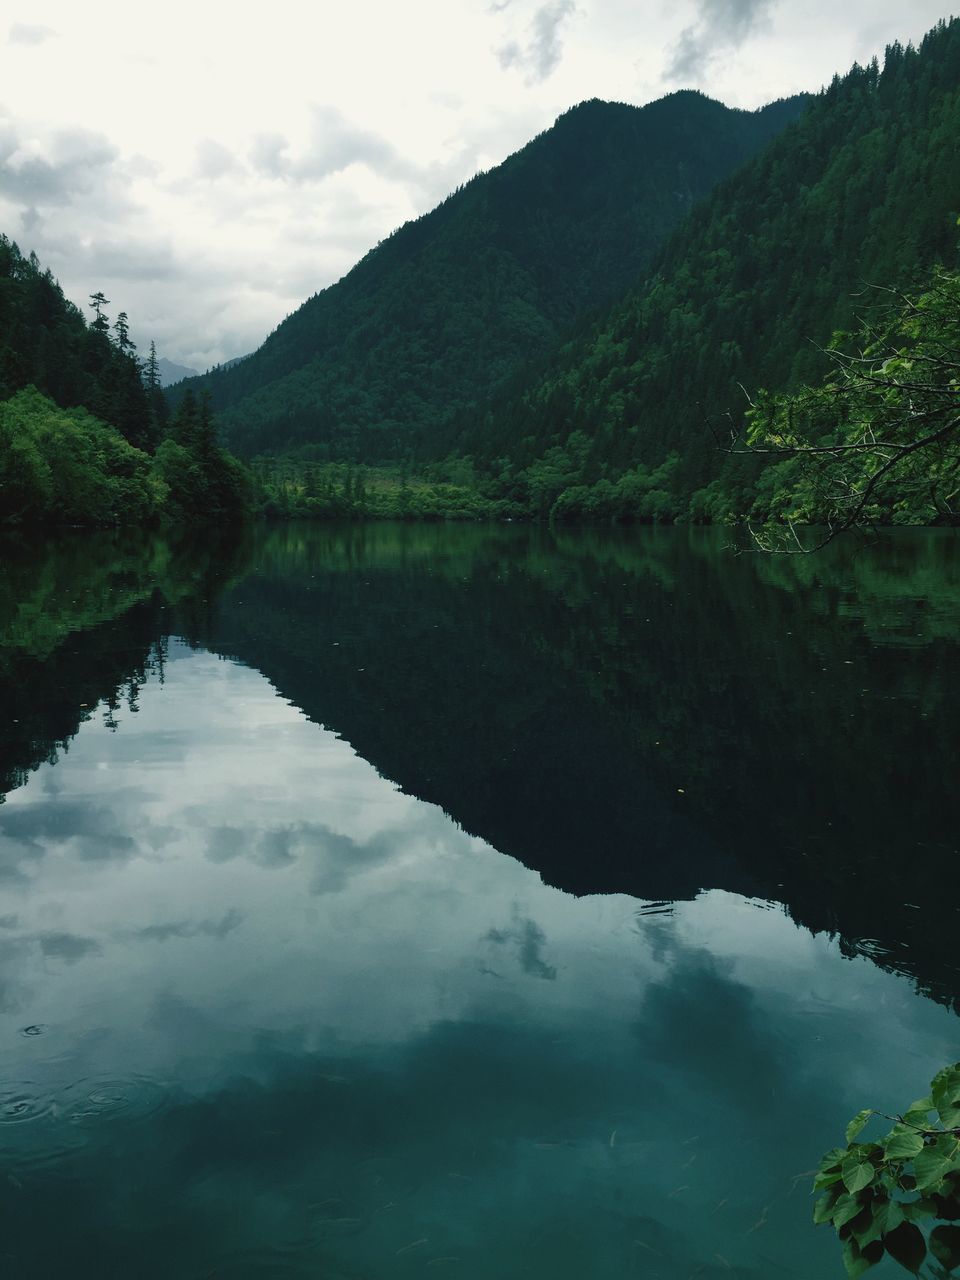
(879, 440)
(878, 1195)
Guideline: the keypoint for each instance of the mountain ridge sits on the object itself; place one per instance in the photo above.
(451, 303)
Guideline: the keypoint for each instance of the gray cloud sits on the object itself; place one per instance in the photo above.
(720, 25)
(333, 146)
(29, 33)
(214, 160)
(74, 163)
(540, 54)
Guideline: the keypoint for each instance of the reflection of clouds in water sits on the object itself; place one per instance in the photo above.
(701, 1021)
(14, 965)
(186, 929)
(529, 940)
(332, 1031)
(94, 831)
(68, 947)
(335, 859)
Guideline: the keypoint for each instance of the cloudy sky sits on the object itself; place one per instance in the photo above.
(210, 165)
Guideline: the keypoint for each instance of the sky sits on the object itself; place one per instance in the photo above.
(209, 166)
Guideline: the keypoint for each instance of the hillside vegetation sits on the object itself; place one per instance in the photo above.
(85, 436)
(863, 189)
(452, 305)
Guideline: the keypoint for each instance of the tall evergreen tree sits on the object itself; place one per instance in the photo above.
(98, 301)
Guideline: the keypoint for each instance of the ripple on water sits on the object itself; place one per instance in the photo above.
(95, 1099)
(20, 1103)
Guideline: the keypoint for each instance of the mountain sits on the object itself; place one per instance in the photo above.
(171, 373)
(863, 190)
(447, 309)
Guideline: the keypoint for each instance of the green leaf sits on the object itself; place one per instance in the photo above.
(857, 1260)
(918, 1210)
(826, 1180)
(919, 1112)
(870, 1223)
(902, 1143)
(847, 1208)
(833, 1159)
(945, 1088)
(948, 1205)
(823, 1209)
(858, 1123)
(944, 1244)
(906, 1244)
(936, 1161)
(858, 1172)
(894, 1216)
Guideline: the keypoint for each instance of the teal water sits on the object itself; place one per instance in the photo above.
(388, 902)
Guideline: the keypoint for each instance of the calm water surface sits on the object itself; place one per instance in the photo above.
(398, 902)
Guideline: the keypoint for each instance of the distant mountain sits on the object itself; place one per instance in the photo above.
(171, 373)
(863, 190)
(447, 309)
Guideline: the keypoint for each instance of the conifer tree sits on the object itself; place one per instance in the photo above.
(122, 329)
(97, 301)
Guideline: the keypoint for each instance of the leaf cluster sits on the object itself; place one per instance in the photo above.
(880, 437)
(880, 1195)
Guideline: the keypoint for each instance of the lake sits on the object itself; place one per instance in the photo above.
(399, 901)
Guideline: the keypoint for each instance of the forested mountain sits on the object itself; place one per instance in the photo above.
(45, 341)
(864, 189)
(84, 432)
(448, 308)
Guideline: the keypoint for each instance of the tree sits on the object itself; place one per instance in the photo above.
(122, 329)
(879, 441)
(155, 397)
(98, 302)
(151, 369)
(876, 1194)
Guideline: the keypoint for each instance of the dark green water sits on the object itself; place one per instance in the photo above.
(399, 902)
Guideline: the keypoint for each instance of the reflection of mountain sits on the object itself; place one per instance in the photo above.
(646, 713)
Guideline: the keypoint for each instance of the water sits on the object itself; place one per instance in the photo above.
(387, 902)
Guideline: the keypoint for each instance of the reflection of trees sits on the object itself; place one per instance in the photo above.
(639, 713)
(555, 697)
(83, 621)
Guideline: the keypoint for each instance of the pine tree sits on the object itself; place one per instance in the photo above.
(122, 329)
(97, 301)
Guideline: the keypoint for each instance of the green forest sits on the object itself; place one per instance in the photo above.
(86, 437)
